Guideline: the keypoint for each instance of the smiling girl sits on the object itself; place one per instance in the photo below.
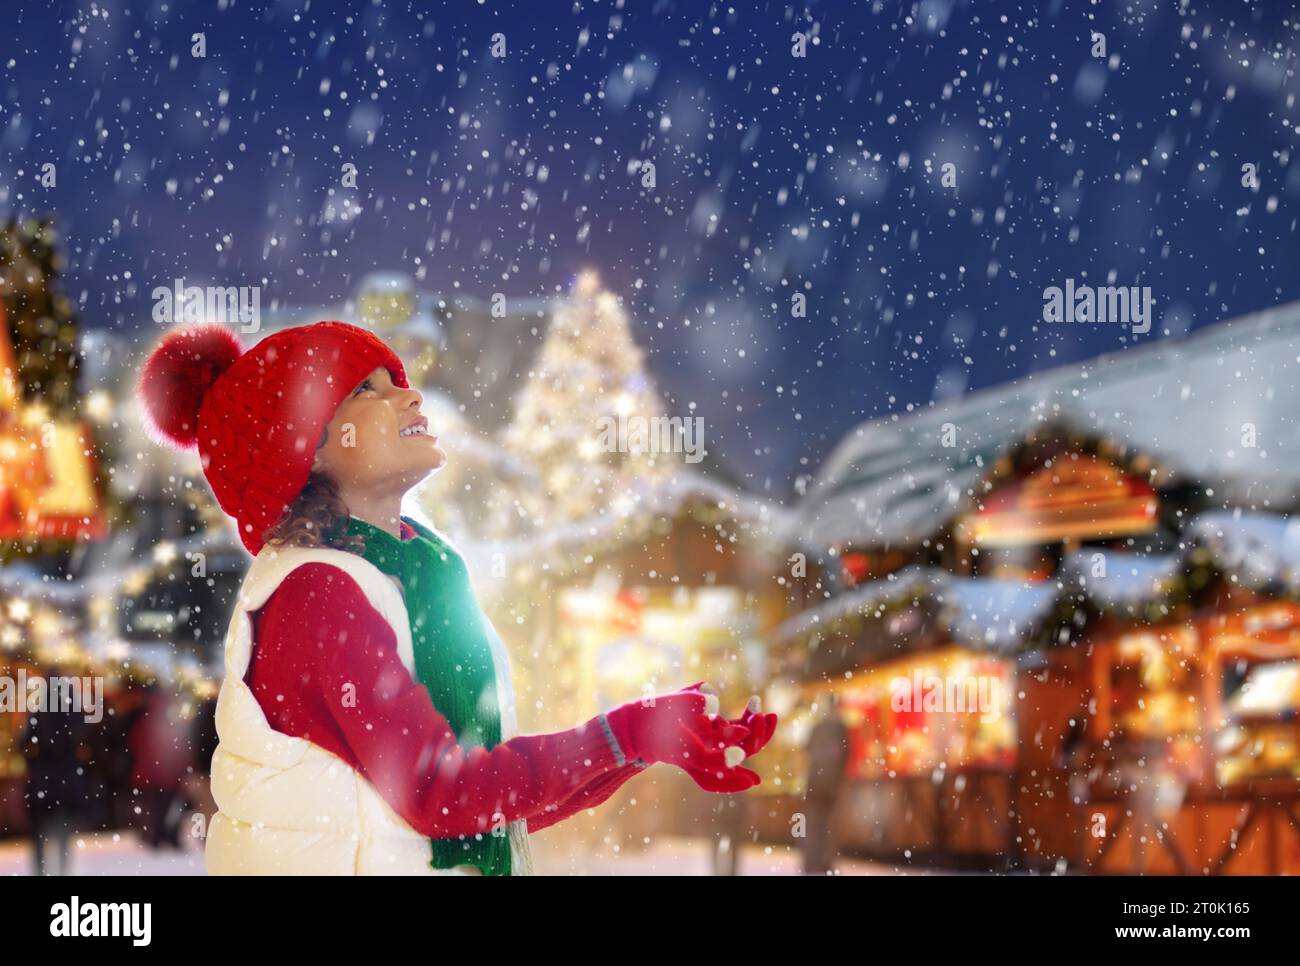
(367, 717)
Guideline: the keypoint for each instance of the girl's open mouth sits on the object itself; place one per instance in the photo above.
(417, 427)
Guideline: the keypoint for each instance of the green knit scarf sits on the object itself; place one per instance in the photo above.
(453, 659)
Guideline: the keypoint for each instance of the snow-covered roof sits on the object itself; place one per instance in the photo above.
(1192, 403)
(1115, 579)
(991, 613)
(1257, 550)
(982, 613)
(1260, 548)
(660, 498)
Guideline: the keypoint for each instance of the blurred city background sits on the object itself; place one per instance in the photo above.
(1024, 593)
(1049, 626)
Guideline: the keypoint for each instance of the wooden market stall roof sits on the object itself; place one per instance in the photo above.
(1192, 403)
(1258, 552)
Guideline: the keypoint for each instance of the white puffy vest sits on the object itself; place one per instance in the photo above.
(286, 806)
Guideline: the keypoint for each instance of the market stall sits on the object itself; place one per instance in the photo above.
(927, 692)
(932, 745)
(1169, 749)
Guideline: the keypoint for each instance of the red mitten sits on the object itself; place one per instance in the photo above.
(761, 726)
(716, 775)
(675, 728)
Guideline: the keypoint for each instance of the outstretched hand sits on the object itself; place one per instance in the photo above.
(749, 733)
(761, 726)
(683, 728)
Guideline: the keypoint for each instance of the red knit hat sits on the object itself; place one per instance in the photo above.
(255, 416)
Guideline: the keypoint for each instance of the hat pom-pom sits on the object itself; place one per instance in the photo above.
(177, 375)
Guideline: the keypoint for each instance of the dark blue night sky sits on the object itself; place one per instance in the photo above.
(774, 174)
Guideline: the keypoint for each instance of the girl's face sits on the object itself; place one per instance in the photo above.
(366, 451)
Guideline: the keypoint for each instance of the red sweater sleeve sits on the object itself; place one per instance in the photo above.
(325, 668)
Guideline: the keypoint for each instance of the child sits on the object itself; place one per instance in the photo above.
(366, 722)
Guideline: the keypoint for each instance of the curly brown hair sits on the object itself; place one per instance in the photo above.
(317, 510)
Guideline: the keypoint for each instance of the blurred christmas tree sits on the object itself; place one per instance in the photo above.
(42, 331)
(588, 380)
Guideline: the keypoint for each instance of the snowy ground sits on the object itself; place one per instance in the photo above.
(124, 854)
